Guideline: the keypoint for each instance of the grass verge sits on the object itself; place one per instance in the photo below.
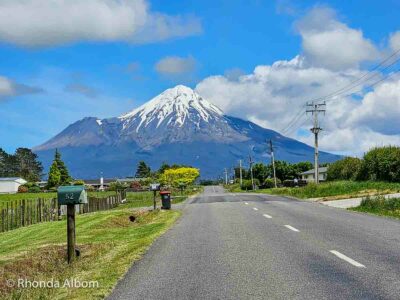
(380, 206)
(26, 196)
(109, 243)
(335, 190)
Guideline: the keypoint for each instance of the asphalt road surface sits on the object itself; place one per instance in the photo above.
(235, 246)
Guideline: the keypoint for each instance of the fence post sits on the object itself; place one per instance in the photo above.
(23, 212)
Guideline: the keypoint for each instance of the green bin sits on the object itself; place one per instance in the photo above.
(165, 199)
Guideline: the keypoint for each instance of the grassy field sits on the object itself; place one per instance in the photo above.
(380, 206)
(109, 243)
(335, 190)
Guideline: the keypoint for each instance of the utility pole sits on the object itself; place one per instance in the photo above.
(226, 176)
(315, 109)
(240, 173)
(251, 173)
(273, 161)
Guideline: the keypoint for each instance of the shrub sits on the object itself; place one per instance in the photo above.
(22, 189)
(345, 169)
(34, 189)
(136, 186)
(247, 185)
(381, 163)
(79, 182)
(116, 186)
(270, 183)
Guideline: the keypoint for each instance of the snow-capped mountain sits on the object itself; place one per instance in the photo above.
(177, 126)
(178, 114)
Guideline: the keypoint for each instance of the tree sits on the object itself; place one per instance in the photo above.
(180, 176)
(64, 174)
(381, 163)
(54, 179)
(347, 168)
(23, 163)
(28, 166)
(143, 171)
(164, 166)
(261, 171)
(58, 174)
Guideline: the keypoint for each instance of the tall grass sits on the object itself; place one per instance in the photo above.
(380, 205)
(345, 189)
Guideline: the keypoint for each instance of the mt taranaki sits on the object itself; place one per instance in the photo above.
(177, 126)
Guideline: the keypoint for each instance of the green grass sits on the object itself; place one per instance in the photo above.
(109, 243)
(20, 196)
(380, 206)
(145, 199)
(336, 190)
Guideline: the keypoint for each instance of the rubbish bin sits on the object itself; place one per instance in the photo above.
(165, 199)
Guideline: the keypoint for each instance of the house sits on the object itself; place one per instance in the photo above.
(309, 175)
(10, 185)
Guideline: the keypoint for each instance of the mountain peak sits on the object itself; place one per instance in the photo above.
(173, 106)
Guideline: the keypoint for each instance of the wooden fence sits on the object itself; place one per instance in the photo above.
(25, 212)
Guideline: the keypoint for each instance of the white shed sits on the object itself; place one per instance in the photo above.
(10, 185)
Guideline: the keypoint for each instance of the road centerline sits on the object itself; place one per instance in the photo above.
(267, 216)
(255, 208)
(246, 203)
(348, 259)
(292, 228)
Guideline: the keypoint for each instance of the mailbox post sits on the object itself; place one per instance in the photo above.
(70, 196)
(155, 187)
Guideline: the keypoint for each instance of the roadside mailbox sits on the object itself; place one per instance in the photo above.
(70, 196)
(155, 187)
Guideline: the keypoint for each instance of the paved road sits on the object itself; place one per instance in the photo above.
(234, 246)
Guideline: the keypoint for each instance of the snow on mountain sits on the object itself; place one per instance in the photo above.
(178, 114)
(180, 101)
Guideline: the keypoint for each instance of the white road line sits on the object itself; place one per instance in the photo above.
(246, 203)
(346, 258)
(255, 208)
(292, 228)
(267, 216)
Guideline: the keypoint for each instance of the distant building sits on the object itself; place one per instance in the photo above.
(99, 184)
(309, 175)
(104, 183)
(10, 185)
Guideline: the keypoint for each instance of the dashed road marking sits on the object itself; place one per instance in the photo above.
(267, 216)
(348, 259)
(246, 203)
(255, 208)
(292, 228)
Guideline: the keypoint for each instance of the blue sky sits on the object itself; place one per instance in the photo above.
(57, 81)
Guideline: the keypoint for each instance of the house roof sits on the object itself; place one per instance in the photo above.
(18, 179)
(321, 170)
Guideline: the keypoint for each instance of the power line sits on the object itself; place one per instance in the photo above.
(347, 88)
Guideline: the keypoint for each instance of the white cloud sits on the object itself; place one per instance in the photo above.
(394, 41)
(272, 95)
(330, 43)
(46, 23)
(175, 65)
(10, 88)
